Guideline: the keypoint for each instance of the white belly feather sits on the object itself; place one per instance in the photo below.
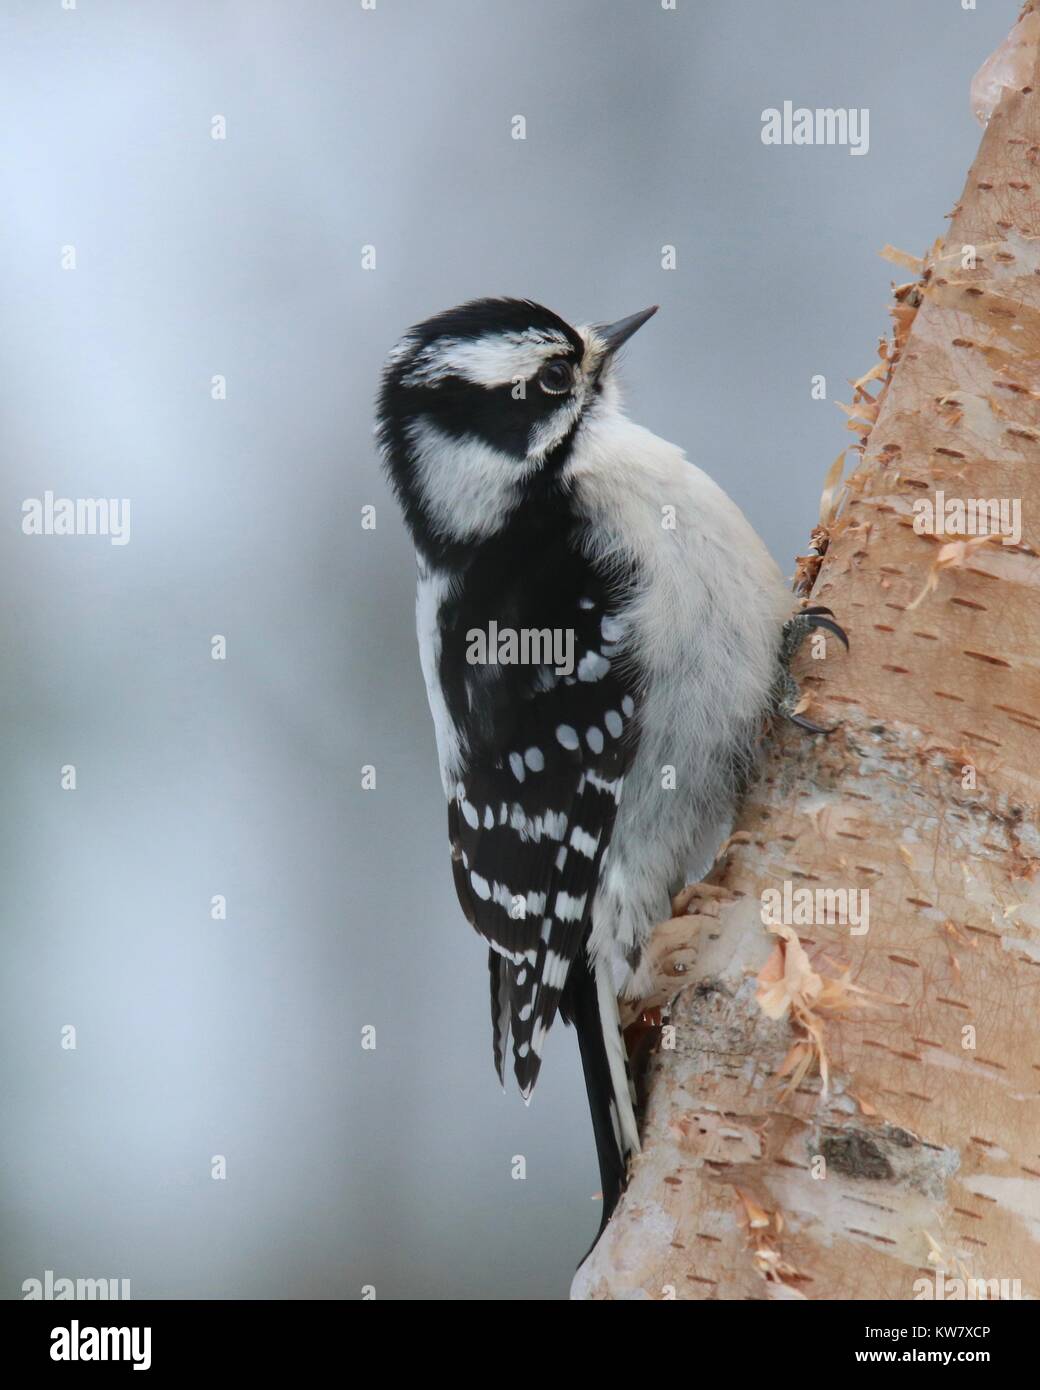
(705, 627)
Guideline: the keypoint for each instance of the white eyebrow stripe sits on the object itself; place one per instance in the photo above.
(493, 360)
(595, 348)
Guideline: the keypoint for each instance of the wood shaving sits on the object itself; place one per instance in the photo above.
(952, 555)
(788, 984)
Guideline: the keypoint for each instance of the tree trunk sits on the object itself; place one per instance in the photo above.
(833, 1112)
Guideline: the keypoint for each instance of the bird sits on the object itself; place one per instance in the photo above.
(603, 638)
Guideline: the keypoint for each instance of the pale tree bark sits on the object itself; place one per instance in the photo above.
(840, 1114)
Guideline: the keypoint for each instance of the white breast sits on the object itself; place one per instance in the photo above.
(705, 626)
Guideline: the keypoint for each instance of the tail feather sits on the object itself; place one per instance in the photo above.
(590, 1003)
(617, 1060)
(500, 1006)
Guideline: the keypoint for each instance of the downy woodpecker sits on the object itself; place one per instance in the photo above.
(602, 636)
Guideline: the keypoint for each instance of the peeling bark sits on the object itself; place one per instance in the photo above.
(922, 1153)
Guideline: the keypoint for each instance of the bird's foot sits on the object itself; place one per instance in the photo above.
(682, 902)
(788, 699)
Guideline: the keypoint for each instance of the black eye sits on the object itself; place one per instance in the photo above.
(556, 378)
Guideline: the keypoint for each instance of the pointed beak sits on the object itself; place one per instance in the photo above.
(614, 334)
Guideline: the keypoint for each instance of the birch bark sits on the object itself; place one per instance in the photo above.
(921, 1154)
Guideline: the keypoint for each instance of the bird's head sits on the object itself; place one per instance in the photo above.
(480, 407)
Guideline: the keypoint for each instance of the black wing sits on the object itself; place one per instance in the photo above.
(545, 760)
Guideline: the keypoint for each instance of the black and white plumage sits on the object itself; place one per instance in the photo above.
(577, 801)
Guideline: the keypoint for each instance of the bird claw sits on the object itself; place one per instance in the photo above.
(808, 724)
(816, 614)
(795, 631)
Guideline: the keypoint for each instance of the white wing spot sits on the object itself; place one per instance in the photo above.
(550, 823)
(554, 975)
(517, 764)
(534, 760)
(594, 738)
(480, 886)
(613, 722)
(628, 706)
(583, 842)
(569, 909)
(592, 667)
(601, 784)
(566, 736)
(515, 956)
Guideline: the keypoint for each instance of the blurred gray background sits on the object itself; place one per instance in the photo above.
(242, 257)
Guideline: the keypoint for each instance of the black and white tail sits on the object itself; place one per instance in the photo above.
(589, 1001)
